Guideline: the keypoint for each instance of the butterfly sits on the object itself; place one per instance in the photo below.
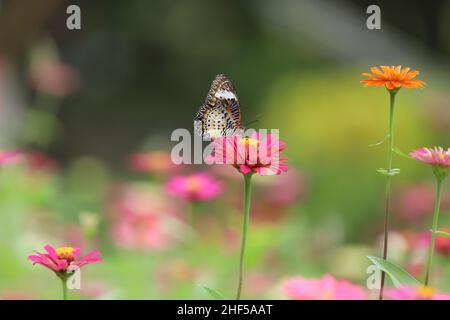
(220, 115)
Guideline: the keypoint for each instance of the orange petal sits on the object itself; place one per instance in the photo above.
(386, 70)
(389, 85)
(414, 84)
(376, 71)
(411, 74)
(404, 72)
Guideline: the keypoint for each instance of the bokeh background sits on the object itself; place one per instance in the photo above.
(93, 109)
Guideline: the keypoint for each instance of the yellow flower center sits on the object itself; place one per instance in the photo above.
(250, 142)
(65, 253)
(193, 183)
(425, 292)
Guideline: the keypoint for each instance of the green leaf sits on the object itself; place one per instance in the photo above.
(399, 276)
(391, 173)
(401, 153)
(214, 293)
(442, 233)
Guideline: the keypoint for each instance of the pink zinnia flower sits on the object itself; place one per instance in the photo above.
(416, 293)
(199, 186)
(147, 232)
(250, 154)
(436, 156)
(7, 157)
(325, 288)
(63, 259)
(442, 244)
(143, 218)
(158, 162)
(415, 202)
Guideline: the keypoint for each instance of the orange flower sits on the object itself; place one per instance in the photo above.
(393, 77)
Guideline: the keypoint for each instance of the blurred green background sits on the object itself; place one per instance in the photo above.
(81, 102)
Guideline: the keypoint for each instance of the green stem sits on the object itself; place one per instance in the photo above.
(388, 185)
(247, 197)
(64, 287)
(192, 213)
(433, 234)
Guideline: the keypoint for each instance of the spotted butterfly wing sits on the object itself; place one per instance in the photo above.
(220, 115)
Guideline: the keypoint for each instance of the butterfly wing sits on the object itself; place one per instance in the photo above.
(220, 115)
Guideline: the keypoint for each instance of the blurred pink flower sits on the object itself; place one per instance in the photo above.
(53, 77)
(415, 269)
(250, 154)
(200, 186)
(95, 290)
(259, 283)
(229, 239)
(73, 234)
(140, 199)
(417, 249)
(144, 219)
(325, 288)
(143, 232)
(415, 293)
(436, 156)
(156, 162)
(274, 196)
(415, 202)
(62, 259)
(38, 161)
(287, 189)
(16, 295)
(442, 244)
(7, 157)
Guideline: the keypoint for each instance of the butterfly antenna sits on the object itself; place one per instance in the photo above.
(252, 122)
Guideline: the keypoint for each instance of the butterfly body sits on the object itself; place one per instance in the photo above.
(220, 115)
